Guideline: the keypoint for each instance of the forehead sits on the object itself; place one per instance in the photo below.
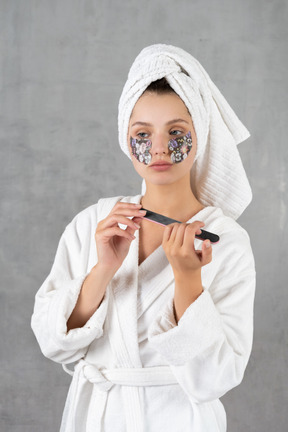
(155, 108)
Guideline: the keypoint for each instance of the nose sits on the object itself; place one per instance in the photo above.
(159, 145)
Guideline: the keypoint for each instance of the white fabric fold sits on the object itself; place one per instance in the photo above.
(54, 339)
(217, 177)
(177, 343)
(103, 380)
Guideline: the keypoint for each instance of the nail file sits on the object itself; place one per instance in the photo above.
(164, 220)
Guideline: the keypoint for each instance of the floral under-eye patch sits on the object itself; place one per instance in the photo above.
(140, 149)
(180, 148)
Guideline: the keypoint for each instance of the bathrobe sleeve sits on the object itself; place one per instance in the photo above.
(209, 348)
(57, 297)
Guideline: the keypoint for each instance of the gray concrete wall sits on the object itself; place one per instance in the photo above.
(63, 65)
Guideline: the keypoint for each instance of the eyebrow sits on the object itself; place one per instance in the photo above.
(139, 123)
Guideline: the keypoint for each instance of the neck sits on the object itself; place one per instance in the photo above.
(176, 200)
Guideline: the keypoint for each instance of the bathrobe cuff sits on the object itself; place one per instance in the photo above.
(197, 330)
(61, 306)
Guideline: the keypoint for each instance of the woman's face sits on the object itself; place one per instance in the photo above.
(161, 129)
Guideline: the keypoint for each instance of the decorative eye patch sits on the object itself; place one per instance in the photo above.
(140, 149)
(179, 148)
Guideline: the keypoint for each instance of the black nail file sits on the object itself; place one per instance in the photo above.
(164, 220)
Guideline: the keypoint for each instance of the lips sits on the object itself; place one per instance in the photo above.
(160, 163)
(160, 166)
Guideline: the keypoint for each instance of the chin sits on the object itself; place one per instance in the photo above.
(162, 182)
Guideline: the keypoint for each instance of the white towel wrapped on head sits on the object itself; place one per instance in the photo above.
(217, 176)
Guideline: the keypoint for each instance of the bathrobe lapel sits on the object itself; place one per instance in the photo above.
(157, 270)
(123, 316)
(121, 321)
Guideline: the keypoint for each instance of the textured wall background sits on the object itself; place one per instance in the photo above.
(63, 66)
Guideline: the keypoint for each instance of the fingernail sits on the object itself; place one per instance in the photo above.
(142, 212)
(207, 244)
(136, 225)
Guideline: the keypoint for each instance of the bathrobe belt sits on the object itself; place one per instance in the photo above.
(129, 378)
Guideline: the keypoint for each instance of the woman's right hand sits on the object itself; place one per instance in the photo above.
(112, 242)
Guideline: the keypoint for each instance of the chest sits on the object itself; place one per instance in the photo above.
(150, 238)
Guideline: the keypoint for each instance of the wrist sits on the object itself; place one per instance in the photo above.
(97, 281)
(104, 271)
(188, 286)
(185, 293)
(191, 276)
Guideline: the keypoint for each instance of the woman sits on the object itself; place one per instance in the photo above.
(159, 325)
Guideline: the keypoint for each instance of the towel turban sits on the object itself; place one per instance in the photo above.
(217, 176)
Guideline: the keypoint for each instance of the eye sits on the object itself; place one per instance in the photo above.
(176, 132)
(142, 134)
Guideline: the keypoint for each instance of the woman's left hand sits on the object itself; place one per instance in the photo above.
(178, 244)
(186, 262)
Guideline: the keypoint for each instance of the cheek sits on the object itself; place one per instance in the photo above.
(180, 148)
(140, 149)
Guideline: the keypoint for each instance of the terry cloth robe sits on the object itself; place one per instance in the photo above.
(135, 368)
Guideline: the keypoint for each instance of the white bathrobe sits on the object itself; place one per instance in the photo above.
(136, 370)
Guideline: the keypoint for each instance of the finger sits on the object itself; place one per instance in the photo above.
(167, 233)
(196, 225)
(137, 222)
(179, 237)
(121, 204)
(137, 219)
(115, 219)
(206, 255)
(116, 231)
(191, 230)
(128, 212)
(128, 209)
(174, 229)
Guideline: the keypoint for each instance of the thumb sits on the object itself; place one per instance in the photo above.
(206, 252)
